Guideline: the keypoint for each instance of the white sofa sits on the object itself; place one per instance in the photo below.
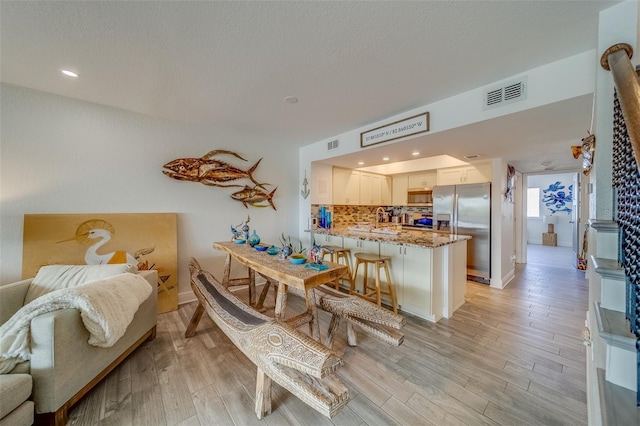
(64, 367)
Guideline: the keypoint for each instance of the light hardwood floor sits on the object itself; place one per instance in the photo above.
(507, 357)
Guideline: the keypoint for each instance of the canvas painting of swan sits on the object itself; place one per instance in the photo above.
(146, 240)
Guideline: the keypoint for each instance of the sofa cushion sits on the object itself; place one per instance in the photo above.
(14, 390)
(23, 367)
(21, 416)
(56, 277)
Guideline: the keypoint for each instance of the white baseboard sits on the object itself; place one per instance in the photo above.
(186, 297)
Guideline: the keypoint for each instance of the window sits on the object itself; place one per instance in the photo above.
(533, 202)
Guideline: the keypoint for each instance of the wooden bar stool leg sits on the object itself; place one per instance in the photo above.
(353, 277)
(378, 295)
(348, 262)
(391, 287)
(365, 284)
(337, 260)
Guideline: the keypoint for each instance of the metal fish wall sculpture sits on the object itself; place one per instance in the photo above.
(254, 196)
(208, 170)
(213, 172)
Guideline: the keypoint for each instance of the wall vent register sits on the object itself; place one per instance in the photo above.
(333, 144)
(513, 91)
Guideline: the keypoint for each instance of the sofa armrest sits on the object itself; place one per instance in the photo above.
(59, 345)
(12, 298)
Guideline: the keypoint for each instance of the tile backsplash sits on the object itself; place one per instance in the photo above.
(342, 215)
(347, 215)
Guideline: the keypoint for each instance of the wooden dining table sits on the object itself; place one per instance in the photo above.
(281, 271)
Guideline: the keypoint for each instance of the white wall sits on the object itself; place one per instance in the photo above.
(535, 226)
(504, 248)
(60, 155)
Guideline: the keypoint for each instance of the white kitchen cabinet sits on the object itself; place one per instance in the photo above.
(399, 193)
(346, 186)
(360, 246)
(386, 191)
(477, 173)
(370, 189)
(328, 240)
(411, 273)
(352, 187)
(396, 269)
(417, 287)
(423, 180)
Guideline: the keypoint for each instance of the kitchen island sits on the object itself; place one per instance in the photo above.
(428, 269)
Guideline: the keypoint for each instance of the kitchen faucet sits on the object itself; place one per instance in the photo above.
(379, 214)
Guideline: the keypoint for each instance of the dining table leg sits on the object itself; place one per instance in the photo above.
(314, 324)
(252, 287)
(227, 271)
(281, 302)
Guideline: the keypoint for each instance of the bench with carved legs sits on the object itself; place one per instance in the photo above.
(281, 353)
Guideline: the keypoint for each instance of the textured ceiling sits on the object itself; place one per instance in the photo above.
(349, 63)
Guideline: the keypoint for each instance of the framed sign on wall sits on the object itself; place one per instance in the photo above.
(398, 129)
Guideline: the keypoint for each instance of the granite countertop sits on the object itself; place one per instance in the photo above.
(418, 238)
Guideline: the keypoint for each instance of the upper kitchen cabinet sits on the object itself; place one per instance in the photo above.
(400, 189)
(423, 180)
(477, 173)
(375, 190)
(370, 189)
(346, 186)
(387, 192)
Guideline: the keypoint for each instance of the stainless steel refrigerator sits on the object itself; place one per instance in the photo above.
(466, 210)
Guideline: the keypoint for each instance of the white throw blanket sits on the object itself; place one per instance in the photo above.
(106, 307)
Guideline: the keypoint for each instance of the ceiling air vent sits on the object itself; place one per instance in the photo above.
(510, 92)
(332, 144)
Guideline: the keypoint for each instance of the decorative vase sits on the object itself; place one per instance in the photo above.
(254, 239)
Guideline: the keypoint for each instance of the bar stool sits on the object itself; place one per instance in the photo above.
(338, 253)
(375, 294)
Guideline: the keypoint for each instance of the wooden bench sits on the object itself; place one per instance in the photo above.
(281, 353)
(371, 319)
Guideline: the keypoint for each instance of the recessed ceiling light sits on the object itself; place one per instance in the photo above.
(385, 159)
(360, 163)
(70, 73)
(414, 153)
(291, 99)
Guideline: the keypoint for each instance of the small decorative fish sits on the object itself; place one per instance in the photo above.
(254, 196)
(210, 171)
(587, 150)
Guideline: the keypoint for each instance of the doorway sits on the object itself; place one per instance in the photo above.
(550, 216)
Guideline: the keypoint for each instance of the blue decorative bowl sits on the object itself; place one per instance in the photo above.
(297, 259)
(273, 250)
(261, 247)
(239, 241)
